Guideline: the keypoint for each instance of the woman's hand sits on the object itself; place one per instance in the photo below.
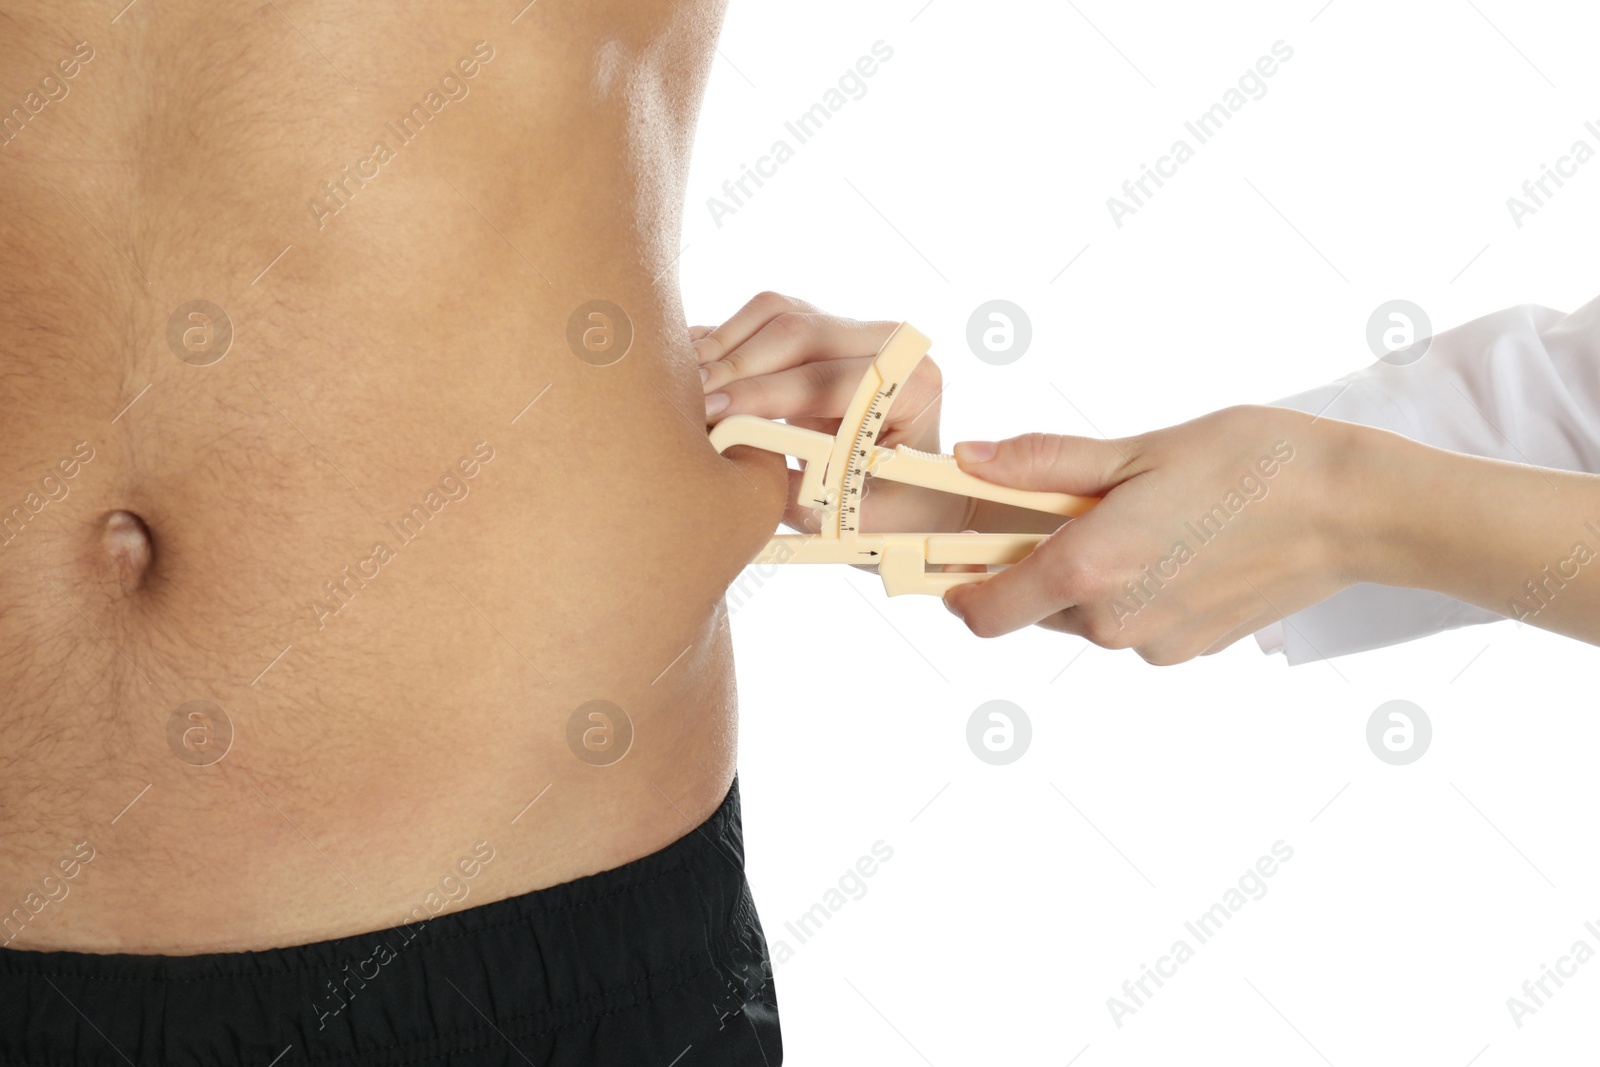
(780, 358)
(1207, 532)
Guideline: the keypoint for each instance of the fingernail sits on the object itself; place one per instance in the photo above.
(705, 376)
(975, 451)
(715, 403)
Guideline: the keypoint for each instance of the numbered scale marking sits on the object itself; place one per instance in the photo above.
(835, 478)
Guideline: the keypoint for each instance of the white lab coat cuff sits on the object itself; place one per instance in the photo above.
(1521, 385)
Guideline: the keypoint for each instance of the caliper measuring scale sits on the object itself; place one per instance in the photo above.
(835, 476)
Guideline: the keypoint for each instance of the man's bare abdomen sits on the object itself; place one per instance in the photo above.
(295, 633)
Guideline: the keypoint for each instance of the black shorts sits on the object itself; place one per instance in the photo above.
(658, 963)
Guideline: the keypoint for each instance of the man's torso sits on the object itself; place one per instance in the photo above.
(400, 532)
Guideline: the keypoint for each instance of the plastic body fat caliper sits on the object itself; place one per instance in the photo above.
(835, 477)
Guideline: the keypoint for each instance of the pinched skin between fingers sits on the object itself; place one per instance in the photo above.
(811, 390)
(782, 359)
(756, 313)
(815, 392)
(793, 338)
(800, 516)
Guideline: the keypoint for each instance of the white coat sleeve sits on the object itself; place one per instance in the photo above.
(1521, 385)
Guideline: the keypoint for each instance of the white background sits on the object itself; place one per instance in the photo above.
(1020, 898)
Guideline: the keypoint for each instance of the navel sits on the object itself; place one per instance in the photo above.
(127, 547)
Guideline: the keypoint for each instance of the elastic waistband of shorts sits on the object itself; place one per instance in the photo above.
(573, 951)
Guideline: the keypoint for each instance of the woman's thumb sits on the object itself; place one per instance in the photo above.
(1084, 466)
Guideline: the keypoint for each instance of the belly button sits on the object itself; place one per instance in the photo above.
(128, 548)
